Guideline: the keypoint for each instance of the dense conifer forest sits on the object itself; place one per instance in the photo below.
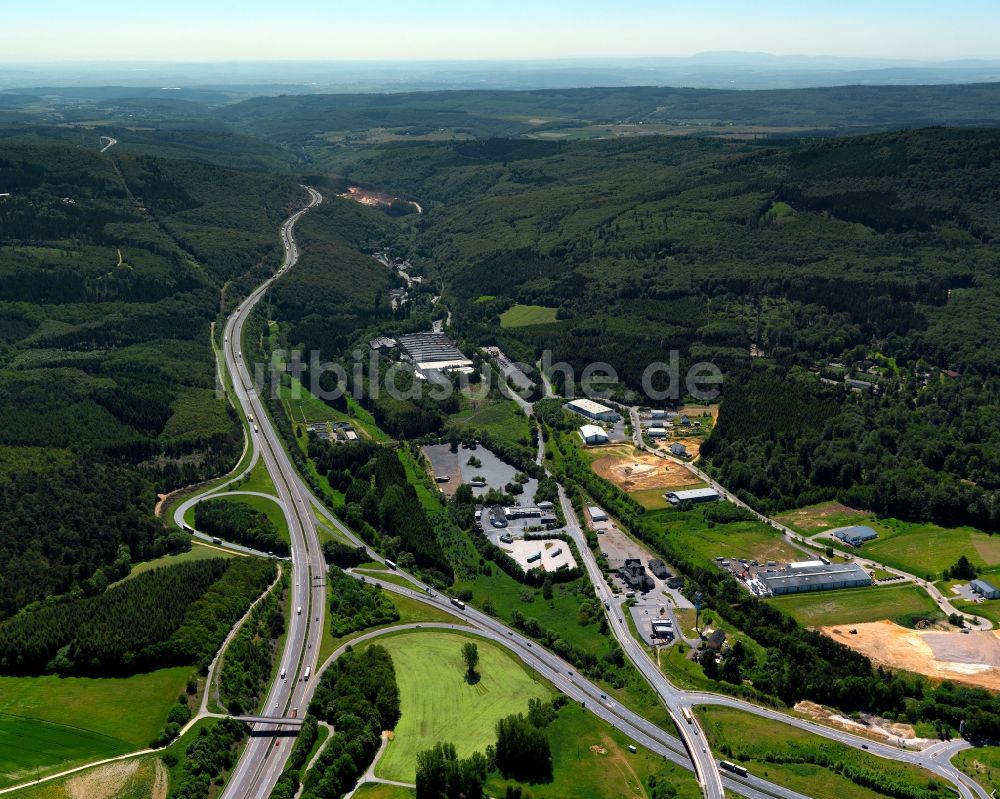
(113, 269)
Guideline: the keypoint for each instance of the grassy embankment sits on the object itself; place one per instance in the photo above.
(811, 764)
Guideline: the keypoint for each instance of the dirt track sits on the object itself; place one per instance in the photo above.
(639, 471)
(972, 658)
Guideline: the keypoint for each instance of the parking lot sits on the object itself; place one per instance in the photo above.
(554, 554)
(455, 465)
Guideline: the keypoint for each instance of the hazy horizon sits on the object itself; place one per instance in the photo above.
(187, 31)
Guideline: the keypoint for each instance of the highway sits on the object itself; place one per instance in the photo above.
(263, 758)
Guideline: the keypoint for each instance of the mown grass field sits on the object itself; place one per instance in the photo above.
(135, 778)
(378, 790)
(923, 549)
(258, 480)
(503, 419)
(926, 549)
(754, 742)
(438, 704)
(559, 614)
(982, 764)
(49, 723)
(590, 760)
(857, 605)
(527, 315)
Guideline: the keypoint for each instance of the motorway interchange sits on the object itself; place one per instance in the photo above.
(262, 762)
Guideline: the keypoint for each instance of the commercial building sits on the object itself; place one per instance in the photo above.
(659, 569)
(596, 514)
(663, 629)
(430, 351)
(521, 512)
(855, 536)
(693, 495)
(984, 589)
(813, 576)
(633, 573)
(592, 434)
(592, 410)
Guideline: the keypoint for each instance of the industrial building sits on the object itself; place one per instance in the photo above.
(984, 589)
(592, 410)
(430, 351)
(813, 575)
(592, 434)
(694, 495)
(855, 536)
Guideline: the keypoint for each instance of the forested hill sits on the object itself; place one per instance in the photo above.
(110, 277)
(871, 258)
(314, 119)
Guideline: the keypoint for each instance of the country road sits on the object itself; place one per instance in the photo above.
(797, 540)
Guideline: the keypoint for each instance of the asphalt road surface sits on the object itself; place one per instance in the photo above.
(263, 758)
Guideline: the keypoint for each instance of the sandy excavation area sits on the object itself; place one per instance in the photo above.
(972, 658)
(637, 471)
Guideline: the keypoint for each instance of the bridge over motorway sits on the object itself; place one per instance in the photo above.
(279, 721)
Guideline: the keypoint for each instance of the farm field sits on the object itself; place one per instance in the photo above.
(756, 742)
(439, 705)
(856, 605)
(48, 723)
(527, 315)
(136, 778)
(590, 760)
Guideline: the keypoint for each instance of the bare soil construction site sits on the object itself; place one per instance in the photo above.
(972, 658)
(640, 471)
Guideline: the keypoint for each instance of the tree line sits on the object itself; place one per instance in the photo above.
(170, 615)
(358, 695)
(249, 658)
(355, 605)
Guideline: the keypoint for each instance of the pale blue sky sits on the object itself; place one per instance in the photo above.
(210, 30)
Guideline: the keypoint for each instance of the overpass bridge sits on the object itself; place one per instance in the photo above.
(280, 721)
